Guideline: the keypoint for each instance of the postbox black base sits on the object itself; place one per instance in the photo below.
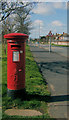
(16, 93)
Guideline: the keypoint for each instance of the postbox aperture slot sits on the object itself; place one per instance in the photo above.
(15, 56)
(15, 46)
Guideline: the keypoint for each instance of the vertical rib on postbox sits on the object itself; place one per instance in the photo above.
(15, 63)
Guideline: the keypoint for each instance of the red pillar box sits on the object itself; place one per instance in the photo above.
(15, 63)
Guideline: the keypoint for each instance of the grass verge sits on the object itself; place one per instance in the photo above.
(37, 94)
(60, 45)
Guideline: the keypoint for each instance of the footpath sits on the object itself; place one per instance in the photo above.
(54, 69)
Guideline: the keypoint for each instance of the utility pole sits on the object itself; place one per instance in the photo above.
(39, 33)
(50, 35)
(49, 44)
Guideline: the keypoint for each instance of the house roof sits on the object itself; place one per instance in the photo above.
(63, 35)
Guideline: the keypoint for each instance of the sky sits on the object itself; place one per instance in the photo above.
(48, 16)
(35, 0)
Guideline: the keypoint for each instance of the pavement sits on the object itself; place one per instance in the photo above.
(54, 68)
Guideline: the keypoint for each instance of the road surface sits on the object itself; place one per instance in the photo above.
(58, 49)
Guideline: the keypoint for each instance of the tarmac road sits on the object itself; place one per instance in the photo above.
(54, 69)
(58, 49)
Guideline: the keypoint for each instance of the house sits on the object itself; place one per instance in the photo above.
(65, 36)
(61, 39)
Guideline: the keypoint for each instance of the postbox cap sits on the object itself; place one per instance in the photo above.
(15, 35)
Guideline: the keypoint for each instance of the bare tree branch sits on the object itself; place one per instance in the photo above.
(11, 8)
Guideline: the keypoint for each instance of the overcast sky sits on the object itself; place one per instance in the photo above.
(49, 16)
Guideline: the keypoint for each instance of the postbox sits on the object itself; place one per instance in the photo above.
(15, 63)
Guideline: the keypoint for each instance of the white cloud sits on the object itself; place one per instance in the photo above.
(59, 5)
(43, 8)
(58, 26)
(57, 23)
(55, 26)
(38, 28)
(38, 23)
(48, 7)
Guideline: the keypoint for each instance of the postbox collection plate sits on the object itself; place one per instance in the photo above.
(15, 56)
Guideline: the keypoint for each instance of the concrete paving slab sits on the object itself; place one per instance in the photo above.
(23, 112)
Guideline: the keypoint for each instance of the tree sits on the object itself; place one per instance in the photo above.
(21, 11)
(23, 22)
(10, 8)
(7, 27)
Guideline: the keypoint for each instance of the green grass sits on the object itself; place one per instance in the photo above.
(0, 80)
(60, 45)
(37, 94)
